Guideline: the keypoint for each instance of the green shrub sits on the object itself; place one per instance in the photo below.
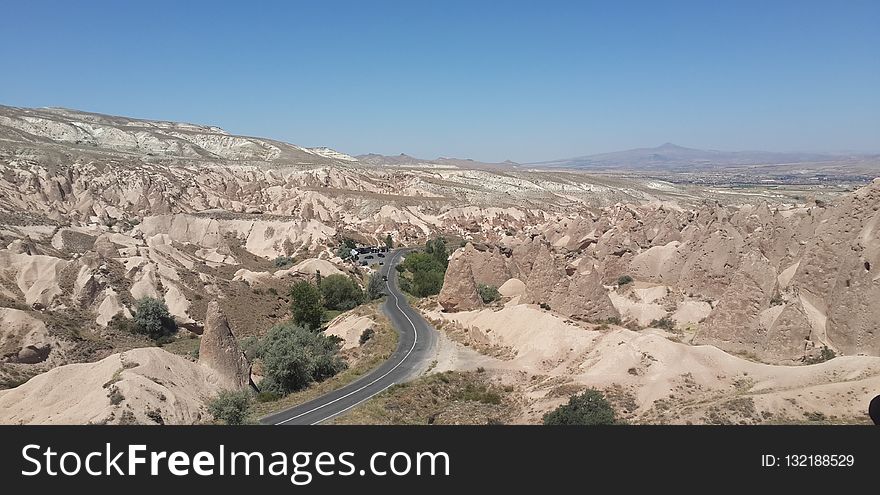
(293, 357)
(152, 318)
(588, 408)
(306, 305)
(366, 335)
(341, 292)
(427, 283)
(825, 354)
(389, 242)
(282, 261)
(665, 323)
(405, 285)
(624, 279)
(155, 416)
(343, 252)
(231, 406)
(488, 293)
(375, 287)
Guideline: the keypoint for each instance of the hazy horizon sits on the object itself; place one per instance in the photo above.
(524, 83)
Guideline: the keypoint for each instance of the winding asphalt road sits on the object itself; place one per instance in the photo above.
(414, 347)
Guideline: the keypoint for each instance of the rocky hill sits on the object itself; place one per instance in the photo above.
(98, 211)
(778, 283)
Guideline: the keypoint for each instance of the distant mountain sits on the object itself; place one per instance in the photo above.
(673, 157)
(407, 160)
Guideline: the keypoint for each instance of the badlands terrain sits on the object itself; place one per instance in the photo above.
(687, 294)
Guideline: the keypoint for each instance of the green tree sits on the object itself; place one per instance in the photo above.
(152, 318)
(588, 408)
(344, 252)
(341, 292)
(488, 293)
(231, 406)
(437, 249)
(293, 357)
(389, 242)
(375, 287)
(427, 283)
(306, 305)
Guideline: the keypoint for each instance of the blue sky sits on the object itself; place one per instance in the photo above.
(524, 81)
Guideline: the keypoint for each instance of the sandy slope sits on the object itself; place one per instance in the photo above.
(140, 381)
(660, 380)
(349, 328)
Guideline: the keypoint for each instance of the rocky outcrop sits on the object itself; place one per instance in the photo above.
(839, 274)
(736, 322)
(105, 247)
(579, 294)
(219, 350)
(459, 292)
(23, 338)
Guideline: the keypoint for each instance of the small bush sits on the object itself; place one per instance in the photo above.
(152, 318)
(273, 291)
(544, 306)
(343, 252)
(825, 354)
(488, 293)
(665, 323)
(282, 261)
(624, 279)
(366, 335)
(155, 416)
(588, 408)
(231, 406)
(115, 396)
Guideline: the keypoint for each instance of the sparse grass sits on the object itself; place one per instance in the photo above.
(748, 355)
(440, 398)
(329, 314)
(184, 347)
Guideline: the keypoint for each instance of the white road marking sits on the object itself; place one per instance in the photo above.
(415, 341)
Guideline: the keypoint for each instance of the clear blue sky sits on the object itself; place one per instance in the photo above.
(492, 81)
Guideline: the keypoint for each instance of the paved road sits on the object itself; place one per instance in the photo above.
(415, 345)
